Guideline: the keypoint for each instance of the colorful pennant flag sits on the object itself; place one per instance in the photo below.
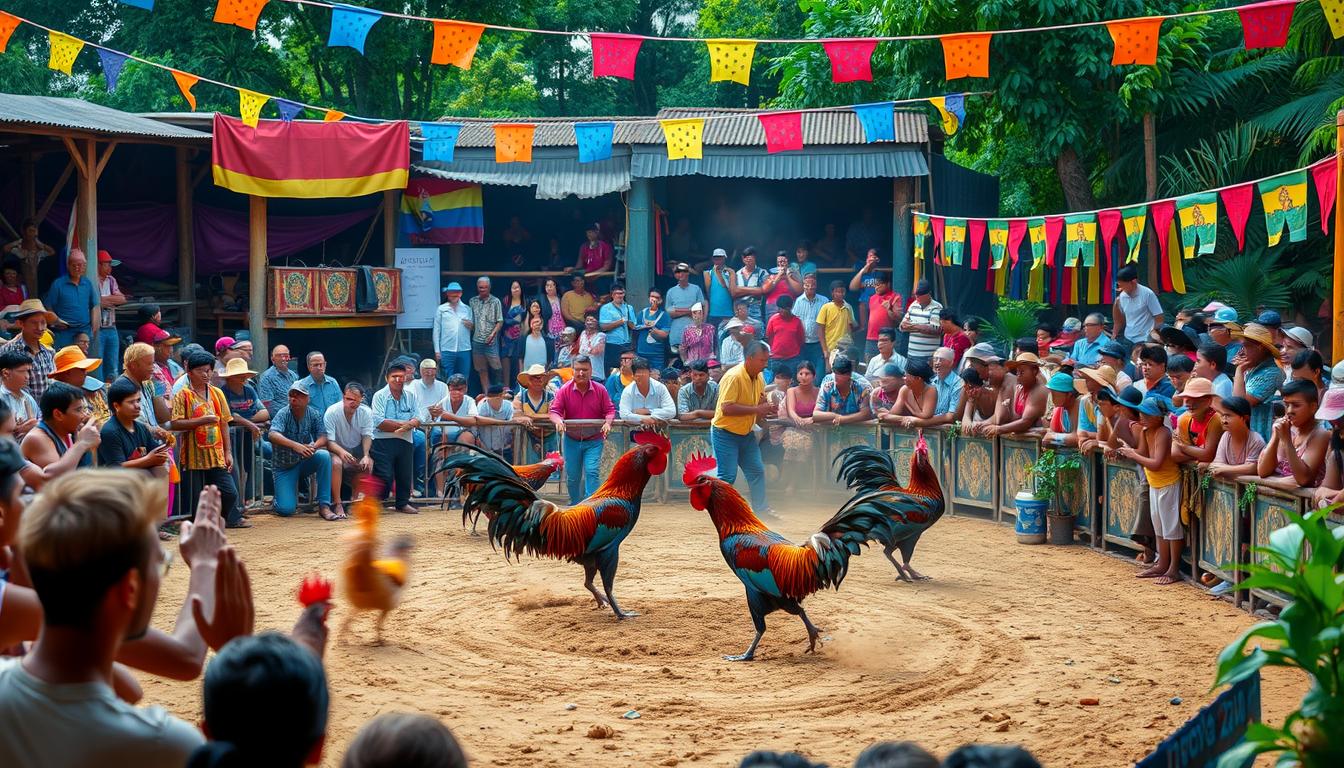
(1136, 221)
(937, 223)
(878, 121)
(1017, 230)
(1334, 13)
(1135, 40)
(976, 233)
(1164, 216)
(277, 159)
(949, 119)
(1285, 202)
(730, 60)
(148, 5)
(954, 241)
(455, 43)
(1237, 203)
(440, 141)
(1036, 283)
(594, 140)
(1323, 175)
(112, 63)
(783, 131)
(1198, 215)
(1054, 226)
(851, 60)
(1265, 25)
(288, 109)
(240, 13)
(513, 142)
(249, 106)
(185, 82)
(1036, 233)
(955, 103)
(64, 49)
(614, 55)
(1080, 240)
(1175, 267)
(350, 25)
(8, 23)
(998, 243)
(442, 212)
(920, 231)
(1109, 224)
(684, 138)
(967, 55)
(333, 116)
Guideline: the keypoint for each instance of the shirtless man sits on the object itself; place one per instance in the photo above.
(1023, 411)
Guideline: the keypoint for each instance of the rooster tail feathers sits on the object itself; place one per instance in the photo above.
(488, 483)
(862, 519)
(866, 469)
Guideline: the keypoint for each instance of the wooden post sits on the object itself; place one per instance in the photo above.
(1150, 193)
(389, 250)
(88, 201)
(639, 239)
(256, 276)
(902, 236)
(186, 246)
(1337, 295)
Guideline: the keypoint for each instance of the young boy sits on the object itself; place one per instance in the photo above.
(1153, 453)
(126, 441)
(836, 321)
(492, 414)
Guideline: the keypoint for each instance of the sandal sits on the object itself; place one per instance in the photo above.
(326, 513)
(238, 524)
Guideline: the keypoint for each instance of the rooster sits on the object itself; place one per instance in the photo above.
(369, 584)
(589, 533)
(535, 475)
(911, 509)
(777, 573)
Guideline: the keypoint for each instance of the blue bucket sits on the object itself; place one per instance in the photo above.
(1030, 526)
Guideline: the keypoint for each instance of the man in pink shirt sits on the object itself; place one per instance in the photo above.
(884, 310)
(595, 254)
(579, 399)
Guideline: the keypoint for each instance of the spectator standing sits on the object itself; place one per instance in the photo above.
(396, 413)
(653, 330)
(806, 307)
(593, 344)
(138, 366)
(698, 400)
(29, 250)
(488, 315)
(863, 235)
(110, 297)
(452, 332)
(15, 368)
(865, 280)
(1137, 311)
(536, 348)
(732, 435)
(646, 402)
(323, 390)
(884, 311)
(298, 450)
(785, 333)
(201, 412)
(595, 255)
(349, 426)
(720, 281)
(836, 323)
(954, 337)
(576, 302)
(682, 297)
(922, 321)
(616, 319)
(843, 398)
(1258, 376)
(515, 312)
(274, 383)
(750, 284)
(1086, 351)
(32, 318)
(621, 378)
(551, 310)
(886, 353)
(582, 398)
(124, 441)
(1163, 474)
(783, 280)
(75, 300)
(697, 340)
(65, 439)
(244, 403)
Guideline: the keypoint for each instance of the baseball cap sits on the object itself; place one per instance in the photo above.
(106, 258)
(223, 343)
(922, 288)
(1060, 382)
(453, 286)
(1072, 325)
(1214, 306)
(1112, 349)
(1270, 319)
(1155, 405)
(1300, 335)
(719, 253)
(299, 386)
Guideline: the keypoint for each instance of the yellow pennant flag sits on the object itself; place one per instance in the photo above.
(950, 121)
(1334, 13)
(64, 49)
(1174, 259)
(185, 83)
(1036, 234)
(685, 138)
(250, 104)
(730, 60)
(1036, 281)
(333, 116)
(1001, 281)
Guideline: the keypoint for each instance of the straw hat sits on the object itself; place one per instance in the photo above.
(1255, 332)
(34, 307)
(1102, 374)
(1195, 388)
(72, 357)
(237, 367)
(1023, 358)
(536, 369)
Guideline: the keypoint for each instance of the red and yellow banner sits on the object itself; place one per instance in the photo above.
(310, 160)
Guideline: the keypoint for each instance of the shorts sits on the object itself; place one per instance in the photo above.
(1166, 512)
(484, 355)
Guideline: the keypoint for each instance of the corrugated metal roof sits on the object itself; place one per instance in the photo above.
(555, 171)
(870, 161)
(79, 115)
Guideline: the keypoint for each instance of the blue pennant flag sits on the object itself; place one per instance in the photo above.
(440, 141)
(878, 121)
(956, 104)
(350, 25)
(148, 5)
(594, 140)
(112, 64)
(288, 109)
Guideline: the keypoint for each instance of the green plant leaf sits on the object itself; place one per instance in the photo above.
(1238, 756)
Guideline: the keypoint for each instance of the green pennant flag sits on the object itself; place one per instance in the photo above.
(1080, 239)
(920, 230)
(1198, 215)
(954, 241)
(998, 243)
(1136, 220)
(1285, 201)
(1036, 233)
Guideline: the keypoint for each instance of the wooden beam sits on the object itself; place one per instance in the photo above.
(186, 245)
(55, 191)
(76, 155)
(389, 251)
(28, 184)
(88, 203)
(13, 233)
(200, 175)
(102, 161)
(256, 275)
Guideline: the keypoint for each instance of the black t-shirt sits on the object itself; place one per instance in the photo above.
(119, 446)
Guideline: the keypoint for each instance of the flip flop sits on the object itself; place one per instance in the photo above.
(326, 513)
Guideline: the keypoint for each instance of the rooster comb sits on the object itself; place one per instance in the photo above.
(555, 456)
(371, 486)
(698, 465)
(649, 437)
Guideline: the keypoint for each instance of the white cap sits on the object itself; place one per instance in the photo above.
(720, 252)
(1337, 376)
(697, 307)
(1301, 335)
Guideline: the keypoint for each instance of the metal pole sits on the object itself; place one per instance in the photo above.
(186, 247)
(1337, 295)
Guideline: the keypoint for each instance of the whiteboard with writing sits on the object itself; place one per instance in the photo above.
(419, 286)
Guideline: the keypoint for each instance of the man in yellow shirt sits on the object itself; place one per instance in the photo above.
(836, 321)
(741, 405)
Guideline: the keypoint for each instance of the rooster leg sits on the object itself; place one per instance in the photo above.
(812, 632)
(900, 569)
(758, 620)
(378, 628)
(908, 551)
(607, 567)
(589, 572)
(345, 626)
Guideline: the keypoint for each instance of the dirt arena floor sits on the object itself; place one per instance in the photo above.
(1000, 646)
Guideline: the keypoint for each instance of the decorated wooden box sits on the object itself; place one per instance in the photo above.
(293, 291)
(1016, 455)
(1122, 507)
(336, 291)
(387, 284)
(1220, 529)
(1269, 513)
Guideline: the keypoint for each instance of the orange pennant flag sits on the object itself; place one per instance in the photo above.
(333, 116)
(966, 55)
(513, 142)
(455, 43)
(8, 23)
(1135, 41)
(240, 13)
(185, 83)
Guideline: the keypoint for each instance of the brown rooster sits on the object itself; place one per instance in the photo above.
(369, 584)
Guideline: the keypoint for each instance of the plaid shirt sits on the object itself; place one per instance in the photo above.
(44, 364)
(304, 430)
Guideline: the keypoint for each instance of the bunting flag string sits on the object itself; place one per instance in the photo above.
(249, 106)
(185, 82)
(455, 43)
(240, 13)
(1324, 179)
(1285, 202)
(1198, 214)
(440, 141)
(112, 63)
(8, 23)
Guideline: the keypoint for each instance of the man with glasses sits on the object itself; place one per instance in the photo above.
(273, 386)
(65, 438)
(1086, 351)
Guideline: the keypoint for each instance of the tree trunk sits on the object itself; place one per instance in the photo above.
(1150, 189)
(1074, 181)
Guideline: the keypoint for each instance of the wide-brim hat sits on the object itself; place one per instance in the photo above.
(1259, 334)
(1154, 405)
(237, 367)
(1184, 337)
(72, 357)
(525, 377)
(1195, 388)
(1023, 358)
(1332, 406)
(1102, 374)
(31, 307)
(984, 352)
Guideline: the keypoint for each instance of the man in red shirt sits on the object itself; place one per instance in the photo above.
(885, 307)
(785, 333)
(954, 338)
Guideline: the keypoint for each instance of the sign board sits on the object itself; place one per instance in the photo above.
(419, 286)
(1212, 731)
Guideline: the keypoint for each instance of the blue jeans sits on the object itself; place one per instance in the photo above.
(455, 362)
(583, 460)
(287, 482)
(812, 354)
(732, 450)
(109, 349)
(66, 337)
(418, 456)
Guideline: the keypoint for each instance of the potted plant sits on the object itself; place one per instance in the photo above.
(1303, 561)
(1051, 471)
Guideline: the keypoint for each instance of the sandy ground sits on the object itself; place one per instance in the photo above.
(999, 647)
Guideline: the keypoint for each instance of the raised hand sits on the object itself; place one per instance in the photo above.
(234, 613)
(204, 537)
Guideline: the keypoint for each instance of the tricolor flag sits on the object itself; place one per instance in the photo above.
(442, 212)
(310, 160)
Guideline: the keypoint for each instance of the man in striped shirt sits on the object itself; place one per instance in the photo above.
(923, 321)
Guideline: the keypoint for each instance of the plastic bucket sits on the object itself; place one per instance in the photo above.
(1030, 525)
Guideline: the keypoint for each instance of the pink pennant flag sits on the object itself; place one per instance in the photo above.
(1237, 203)
(851, 60)
(614, 55)
(937, 222)
(1163, 211)
(1054, 226)
(1323, 174)
(976, 229)
(1109, 222)
(1265, 25)
(1017, 229)
(989, 273)
(783, 131)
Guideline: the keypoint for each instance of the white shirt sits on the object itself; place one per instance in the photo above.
(1140, 311)
(23, 405)
(658, 401)
(450, 335)
(466, 409)
(348, 433)
(806, 309)
(428, 395)
(878, 362)
(730, 351)
(108, 287)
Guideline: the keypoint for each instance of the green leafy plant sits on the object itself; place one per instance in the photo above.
(1247, 499)
(1050, 470)
(1014, 319)
(1303, 561)
(954, 431)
